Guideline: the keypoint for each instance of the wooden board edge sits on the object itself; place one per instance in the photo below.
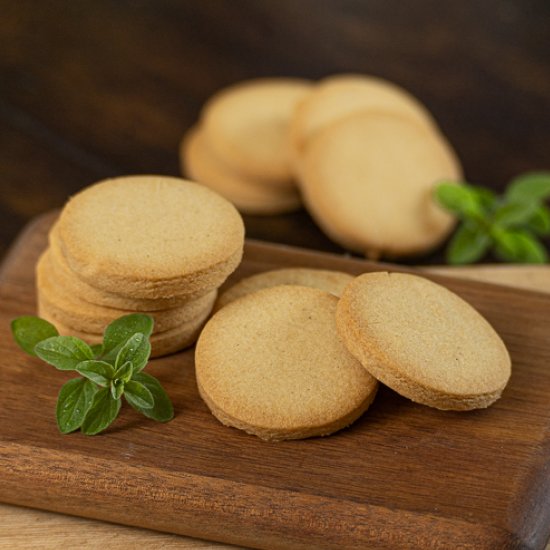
(200, 506)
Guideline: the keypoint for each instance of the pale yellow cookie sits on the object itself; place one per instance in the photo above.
(423, 341)
(271, 363)
(368, 181)
(246, 126)
(151, 237)
(86, 317)
(329, 281)
(339, 96)
(248, 195)
(162, 343)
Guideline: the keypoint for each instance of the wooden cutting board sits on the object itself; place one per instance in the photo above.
(403, 476)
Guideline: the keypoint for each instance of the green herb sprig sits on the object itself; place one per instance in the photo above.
(509, 225)
(108, 371)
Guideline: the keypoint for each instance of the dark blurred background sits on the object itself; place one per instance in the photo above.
(92, 89)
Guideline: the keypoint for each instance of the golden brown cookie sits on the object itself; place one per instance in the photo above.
(250, 196)
(74, 286)
(423, 341)
(339, 96)
(246, 126)
(271, 363)
(150, 237)
(333, 282)
(86, 317)
(368, 181)
(162, 343)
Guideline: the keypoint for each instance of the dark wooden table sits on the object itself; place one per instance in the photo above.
(97, 89)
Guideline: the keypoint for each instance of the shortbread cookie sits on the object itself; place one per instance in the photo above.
(74, 286)
(248, 195)
(333, 282)
(272, 364)
(368, 181)
(339, 96)
(162, 343)
(246, 126)
(86, 317)
(151, 236)
(423, 341)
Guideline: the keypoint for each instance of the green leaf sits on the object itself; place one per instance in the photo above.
(137, 350)
(29, 330)
(117, 388)
(73, 402)
(118, 332)
(63, 352)
(124, 372)
(138, 395)
(487, 198)
(514, 213)
(519, 246)
(162, 410)
(99, 372)
(103, 411)
(97, 350)
(540, 221)
(468, 245)
(462, 200)
(530, 187)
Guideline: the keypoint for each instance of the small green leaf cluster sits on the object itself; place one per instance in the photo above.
(509, 225)
(108, 371)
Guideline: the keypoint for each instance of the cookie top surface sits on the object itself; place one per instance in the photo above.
(273, 360)
(339, 96)
(249, 195)
(149, 228)
(368, 181)
(246, 125)
(333, 282)
(418, 336)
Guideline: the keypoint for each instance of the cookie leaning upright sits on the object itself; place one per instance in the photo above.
(423, 341)
(246, 127)
(150, 237)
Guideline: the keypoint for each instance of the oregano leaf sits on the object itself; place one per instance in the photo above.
(468, 245)
(162, 410)
(138, 394)
(29, 330)
(63, 352)
(119, 331)
(102, 413)
(99, 372)
(73, 402)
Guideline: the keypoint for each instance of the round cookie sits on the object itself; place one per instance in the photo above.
(74, 286)
(368, 182)
(246, 126)
(150, 236)
(423, 341)
(333, 282)
(339, 96)
(272, 364)
(162, 343)
(87, 317)
(248, 195)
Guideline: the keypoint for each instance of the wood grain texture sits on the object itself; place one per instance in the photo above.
(104, 88)
(403, 476)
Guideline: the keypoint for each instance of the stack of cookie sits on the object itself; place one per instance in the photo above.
(240, 146)
(150, 244)
(285, 357)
